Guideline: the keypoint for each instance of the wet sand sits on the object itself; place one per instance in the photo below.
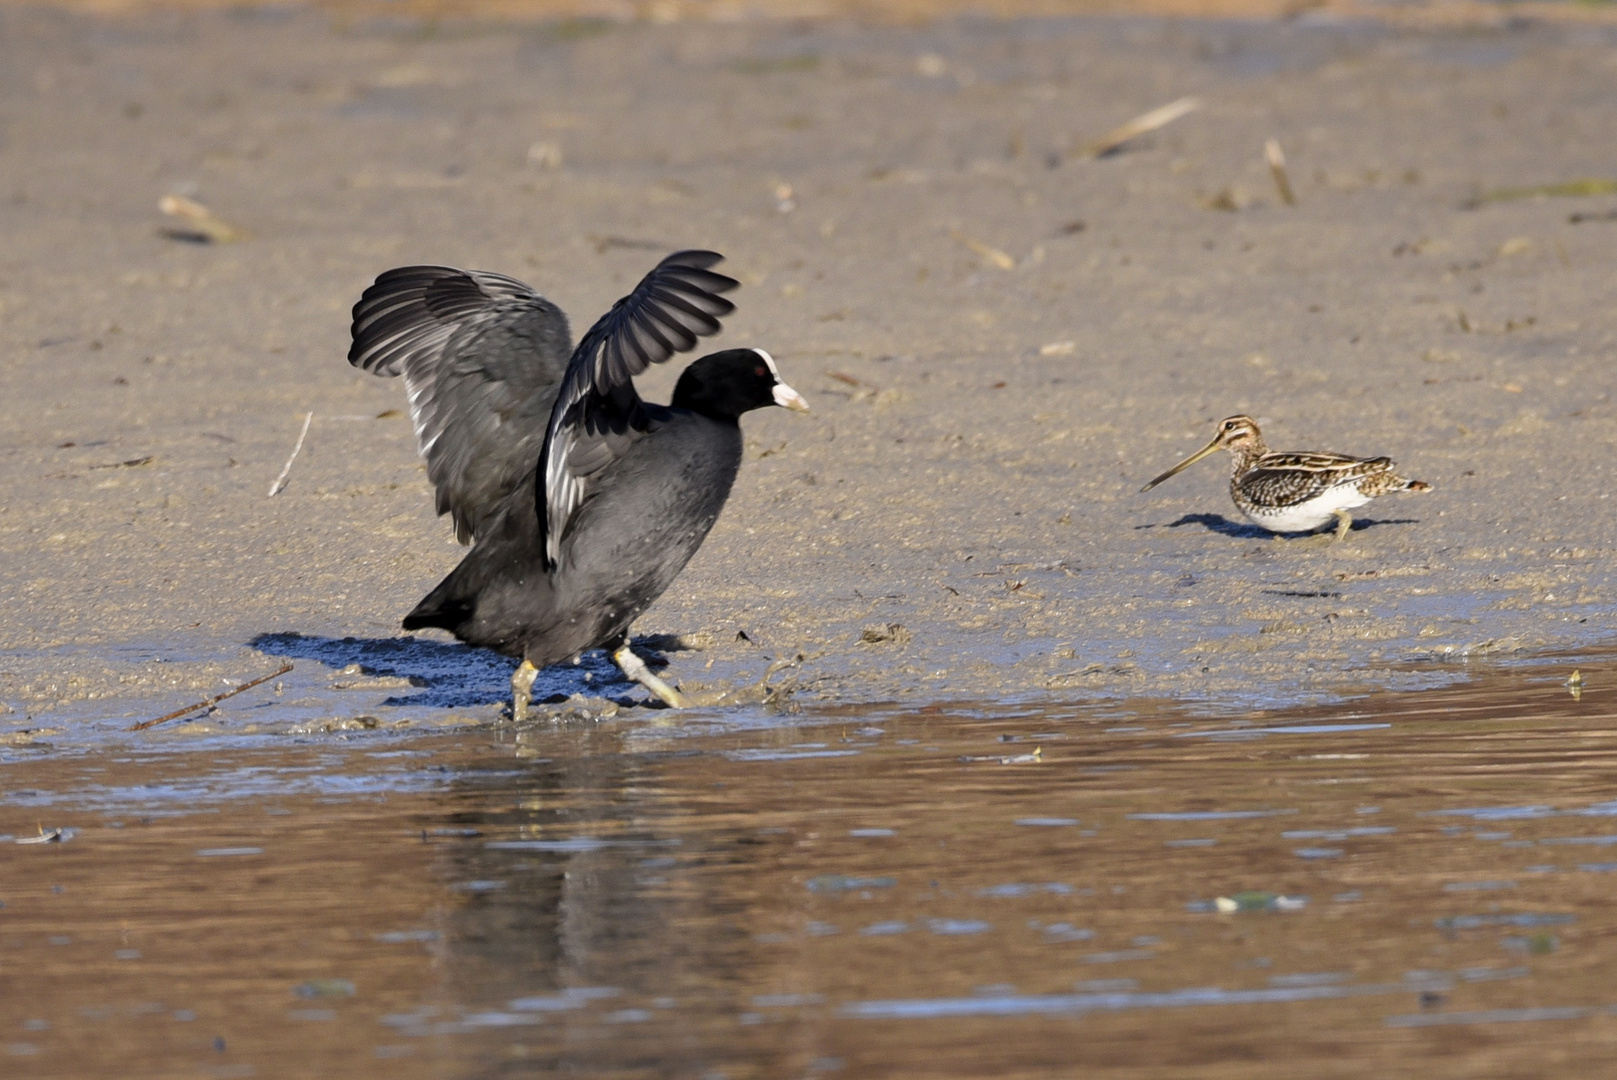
(1413, 885)
(1001, 338)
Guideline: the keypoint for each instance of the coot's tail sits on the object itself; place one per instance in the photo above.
(445, 607)
(453, 604)
(500, 588)
(499, 591)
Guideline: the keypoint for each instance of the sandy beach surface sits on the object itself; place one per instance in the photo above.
(1002, 338)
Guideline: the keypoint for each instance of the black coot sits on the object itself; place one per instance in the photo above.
(584, 501)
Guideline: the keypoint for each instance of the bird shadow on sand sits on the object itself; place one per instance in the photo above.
(1223, 525)
(445, 675)
(1214, 523)
(1370, 523)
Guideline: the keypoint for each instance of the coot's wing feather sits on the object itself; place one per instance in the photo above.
(481, 355)
(597, 415)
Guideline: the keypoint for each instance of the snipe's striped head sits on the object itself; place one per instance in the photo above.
(1238, 434)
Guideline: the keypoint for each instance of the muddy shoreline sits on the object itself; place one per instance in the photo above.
(1002, 340)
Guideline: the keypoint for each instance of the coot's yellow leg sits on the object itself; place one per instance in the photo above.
(636, 669)
(522, 690)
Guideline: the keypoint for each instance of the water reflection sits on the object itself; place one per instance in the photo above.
(1408, 882)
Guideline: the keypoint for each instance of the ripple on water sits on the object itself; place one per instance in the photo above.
(678, 895)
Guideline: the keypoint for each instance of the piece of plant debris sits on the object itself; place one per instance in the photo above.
(177, 713)
(1570, 189)
(987, 252)
(1253, 900)
(1141, 125)
(197, 224)
(1033, 758)
(325, 988)
(880, 632)
(1277, 168)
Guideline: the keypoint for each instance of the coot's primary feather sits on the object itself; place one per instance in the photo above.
(598, 415)
(482, 356)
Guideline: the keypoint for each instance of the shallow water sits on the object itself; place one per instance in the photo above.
(1403, 884)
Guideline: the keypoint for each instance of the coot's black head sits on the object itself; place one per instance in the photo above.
(723, 385)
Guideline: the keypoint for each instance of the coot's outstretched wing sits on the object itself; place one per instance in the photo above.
(481, 355)
(597, 414)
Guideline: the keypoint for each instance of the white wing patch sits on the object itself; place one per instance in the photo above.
(414, 389)
(564, 491)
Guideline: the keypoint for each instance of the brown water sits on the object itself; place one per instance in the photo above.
(871, 893)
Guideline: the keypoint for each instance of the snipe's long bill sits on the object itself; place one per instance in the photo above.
(1297, 491)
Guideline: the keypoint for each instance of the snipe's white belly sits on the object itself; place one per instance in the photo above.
(1306, 516)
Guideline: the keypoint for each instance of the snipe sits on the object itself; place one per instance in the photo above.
(1297, 491)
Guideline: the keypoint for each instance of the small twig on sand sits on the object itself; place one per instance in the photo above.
(280, 481)
(177, 713)
(990, 254)
(200, 225)
(1277, 166)
(1140, 125)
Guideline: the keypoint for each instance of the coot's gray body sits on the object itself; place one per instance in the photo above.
(584, 502)
(621, 552)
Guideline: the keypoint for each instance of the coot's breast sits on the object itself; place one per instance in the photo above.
(637, 531)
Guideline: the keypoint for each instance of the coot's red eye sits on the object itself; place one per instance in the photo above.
(758, 371)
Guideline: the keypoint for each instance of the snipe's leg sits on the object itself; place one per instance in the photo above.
(522, 690)
(636, 669)
(1344, 522)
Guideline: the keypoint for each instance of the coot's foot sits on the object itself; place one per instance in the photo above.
(636, 669)
(522, 690)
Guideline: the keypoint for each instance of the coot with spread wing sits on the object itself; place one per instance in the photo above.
(583, 501)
